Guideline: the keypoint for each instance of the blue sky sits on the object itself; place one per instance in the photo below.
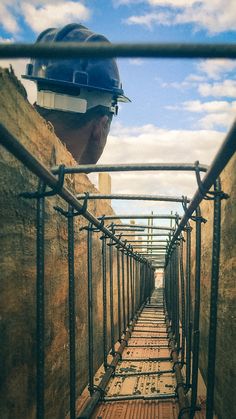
(180, 109)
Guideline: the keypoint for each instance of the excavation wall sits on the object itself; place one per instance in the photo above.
(225, 381)
(18, 269)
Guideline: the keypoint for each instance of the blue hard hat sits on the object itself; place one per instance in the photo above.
(69, 75)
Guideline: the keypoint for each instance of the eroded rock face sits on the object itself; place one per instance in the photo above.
(18, 269)
(226, 332)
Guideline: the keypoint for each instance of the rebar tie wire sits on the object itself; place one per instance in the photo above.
(192, 217)
(43, 193)
(98, 388)
(73, 213)
(188, 409)
(210, 195)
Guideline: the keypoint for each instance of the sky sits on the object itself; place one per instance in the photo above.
(180, 109)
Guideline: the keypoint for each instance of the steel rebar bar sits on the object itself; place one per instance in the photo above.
(72, 344)
(63, 50)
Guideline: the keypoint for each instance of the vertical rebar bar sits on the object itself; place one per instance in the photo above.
(213, 301)
(104, 297)
(141, 281)
(111, 296)
(173, 293)
(123, 288)
(131, 286)
(118, 294)
(188, 312)
(40, 315)
(90, 307)
(196, 332)
(71, 274)
(128, 289)
(149, 284)
(176, 262)
(136, 282)
(182, 283)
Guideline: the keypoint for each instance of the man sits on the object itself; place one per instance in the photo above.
(78, 96)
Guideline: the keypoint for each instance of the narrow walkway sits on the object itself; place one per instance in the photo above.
(143, 385)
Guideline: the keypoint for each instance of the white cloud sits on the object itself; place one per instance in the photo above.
(45, 16)
(218, 113)
(226, 88)
(216, 68)
(177, 85)
(9, 19)
(172, 3)
(152, 144)
(149, 19)
(136, 61)
(194, 78)
(149, 144)
(41, 14)
(213, 15)
(213, 120)
(117, 3)
(213, 106)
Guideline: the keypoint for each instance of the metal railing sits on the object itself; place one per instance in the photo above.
(135, 270)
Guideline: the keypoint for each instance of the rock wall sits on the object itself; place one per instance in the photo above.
(18, 269)
(225, 380)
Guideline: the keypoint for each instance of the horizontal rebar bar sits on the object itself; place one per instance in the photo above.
(138, 216)
(147, 241)
(134, 197)
(147, 235)
(149, 346)
(131, 167)
(137, 373)
(148, 337)
(148, 359)
(154, 396)
(158, 256)
(144, 226)
(65, 50)
(148, 247)
(128, 229)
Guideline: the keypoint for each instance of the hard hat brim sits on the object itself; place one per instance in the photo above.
(119, 94)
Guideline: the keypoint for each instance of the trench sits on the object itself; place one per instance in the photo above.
(152, 370)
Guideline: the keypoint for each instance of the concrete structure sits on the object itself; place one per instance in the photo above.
(104, 185)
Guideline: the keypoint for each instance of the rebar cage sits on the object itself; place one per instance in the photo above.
(135, 267)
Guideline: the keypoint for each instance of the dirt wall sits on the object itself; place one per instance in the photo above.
(18, 269)
(225, 380)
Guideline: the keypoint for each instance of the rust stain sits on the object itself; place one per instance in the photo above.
(143, 366)
(141, 385)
